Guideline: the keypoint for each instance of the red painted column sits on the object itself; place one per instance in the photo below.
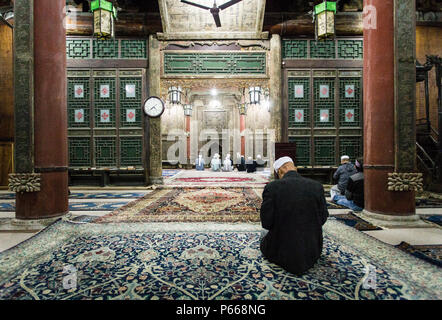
(188, 136)
(379, 141)
(50, 115)
(242, 128)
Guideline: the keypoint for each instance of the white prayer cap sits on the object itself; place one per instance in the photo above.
(280, 162)
(345, 158)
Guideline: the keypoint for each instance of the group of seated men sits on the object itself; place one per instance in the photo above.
(227, 165)
(349, 192)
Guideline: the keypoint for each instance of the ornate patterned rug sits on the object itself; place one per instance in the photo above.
(208, 178)
(77, 206)
(429, 253)
(204, 261)
(433, 218)
(332, 205)
(222, 204)
(86, 195)
(215, 180)
(167, 173)
(107, 195)
(354, 221)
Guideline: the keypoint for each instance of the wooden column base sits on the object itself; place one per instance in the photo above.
(380, 200)
(50, 202)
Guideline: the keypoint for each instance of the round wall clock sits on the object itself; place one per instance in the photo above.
(153, 107)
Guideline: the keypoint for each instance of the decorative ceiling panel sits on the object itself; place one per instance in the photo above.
(243, 20)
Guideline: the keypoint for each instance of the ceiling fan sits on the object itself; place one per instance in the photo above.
(215, 9)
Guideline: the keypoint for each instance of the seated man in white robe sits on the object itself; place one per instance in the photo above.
(199, 163)
(227, 165)
(215, 164)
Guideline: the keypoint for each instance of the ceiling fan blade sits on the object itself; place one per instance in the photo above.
(195, 4)
(228, 4)
(216, 18)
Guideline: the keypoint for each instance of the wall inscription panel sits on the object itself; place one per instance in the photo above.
(215, 119)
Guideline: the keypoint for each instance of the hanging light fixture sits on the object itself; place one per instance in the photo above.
(255, 95)
(242, 107)
(266, 103)
(187, 110)
(175, 95)
(324, 17)
(105, 14)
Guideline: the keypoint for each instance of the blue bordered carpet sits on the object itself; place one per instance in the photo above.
(84, 195)
(77, 206)
(433, 218)
(429, 253)
(202, 261)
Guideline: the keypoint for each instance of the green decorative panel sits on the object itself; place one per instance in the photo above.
(350, 49)
(131, 151)
(130, 102)
(78, 103)
(231, 63)
(299, 102)
(325, 151)
(104, 102)
(133, 49)
(322, 49)
(350, 97)
(294, 49)
(105, 152)
(78, 49)
(324, 95)
(302, 150)
(105, 49)
(351, 146)
(79, 152)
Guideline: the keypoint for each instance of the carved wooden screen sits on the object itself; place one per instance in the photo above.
(323, 99)
(104, 118)
(106, 86)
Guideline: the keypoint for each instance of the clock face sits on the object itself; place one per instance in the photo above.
(154, 107)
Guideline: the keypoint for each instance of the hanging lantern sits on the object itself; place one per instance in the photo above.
(242, 108)
(188, 110)
(105, 14)
(255, 95)
(175, 95)
(325, 19)
(266, 103)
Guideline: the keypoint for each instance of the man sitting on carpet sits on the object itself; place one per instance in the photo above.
(215, 164)
(354, 193)
(345, 170)
(292, 213)
(199, 163)
(227, 164)
(241, 166)
(250, 165)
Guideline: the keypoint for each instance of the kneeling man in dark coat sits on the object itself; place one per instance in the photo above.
(293, 211)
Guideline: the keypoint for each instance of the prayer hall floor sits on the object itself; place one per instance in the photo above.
(88, 205)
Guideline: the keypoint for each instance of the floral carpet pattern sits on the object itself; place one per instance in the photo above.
(354, 221)
(437, 219)
(78, 206)
(429, 253)
(191, 205)
(187, 178)
(203, 261)
(214, 179)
